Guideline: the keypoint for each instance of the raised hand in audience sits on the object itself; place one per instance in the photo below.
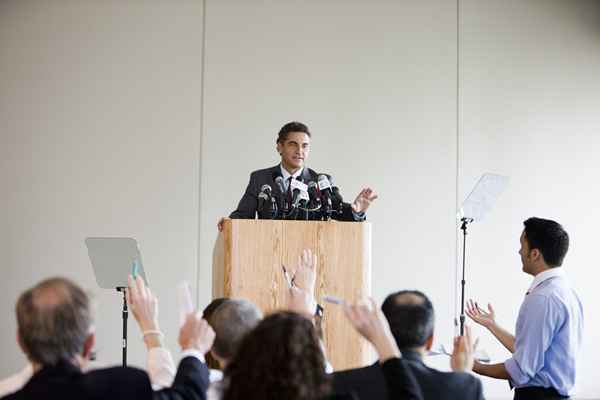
(196, 334)
(462, 359)
(301, 296)
(370, 322)
(477, 314)
(144, 307)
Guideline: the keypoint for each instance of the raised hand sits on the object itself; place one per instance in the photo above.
(477, 314)
(142, 303)
(301, 296)
(462, 358)
(364, 200)
(305, 275)
(370, 322)
(196, 334)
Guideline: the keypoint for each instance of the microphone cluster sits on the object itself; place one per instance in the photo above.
(313, 201)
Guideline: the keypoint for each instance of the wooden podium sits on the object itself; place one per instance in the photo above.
(247, 264)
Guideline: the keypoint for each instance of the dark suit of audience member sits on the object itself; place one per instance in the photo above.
(369, 382)
(65, 381)
(55, 332)
(410, 315)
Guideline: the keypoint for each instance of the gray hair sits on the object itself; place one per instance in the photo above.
(231, 321)
(54, 320)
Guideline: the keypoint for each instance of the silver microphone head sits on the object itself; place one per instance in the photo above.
(279, 182)
(266, 189)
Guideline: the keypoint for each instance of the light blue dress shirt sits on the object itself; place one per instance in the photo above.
(548, 335)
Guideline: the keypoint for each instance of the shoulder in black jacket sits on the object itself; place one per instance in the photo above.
(369, 382)
(65, 381)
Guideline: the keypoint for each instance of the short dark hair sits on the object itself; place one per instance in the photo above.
(293, 126)
(231, 321)
(549, 238)
(54, 320)
(411, 318)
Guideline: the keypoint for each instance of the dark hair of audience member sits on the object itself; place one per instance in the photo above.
(207, 314)
(291, 127)
(411, 318)
(54, 320)
(549, 238)
(280, 359)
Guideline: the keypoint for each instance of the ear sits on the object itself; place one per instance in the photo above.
(535, 254)
(429, 343)
(279, 148)
(88, 345)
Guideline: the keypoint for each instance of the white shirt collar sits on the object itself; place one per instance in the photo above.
(286, 175)
(544, 276)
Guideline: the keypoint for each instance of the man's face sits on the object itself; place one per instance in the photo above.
(524, 252)
(294, 150)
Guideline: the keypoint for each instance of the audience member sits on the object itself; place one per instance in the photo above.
(550, 322)
(55, 332)
(207, 313)
(410, 316)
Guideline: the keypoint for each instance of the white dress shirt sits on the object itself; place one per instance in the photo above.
(286, 175)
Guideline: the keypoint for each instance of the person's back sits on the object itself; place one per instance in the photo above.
(368, 383)
(56, 334)
(66, 381)
(411, 316)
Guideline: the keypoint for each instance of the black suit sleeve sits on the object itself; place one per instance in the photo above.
(191, 382)
(400, 381)
(349, 215)
(247, 206)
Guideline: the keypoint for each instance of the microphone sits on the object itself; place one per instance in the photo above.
(336, 196)
(263, 196)
(299, 192)
(282, 202)
(280, 184)
(266, 189)
(314, 195)
(326, 194)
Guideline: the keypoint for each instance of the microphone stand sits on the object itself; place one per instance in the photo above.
(463, 227)
(274, 209)
(124, 315)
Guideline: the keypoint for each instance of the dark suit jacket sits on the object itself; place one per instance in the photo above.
(369, 383)
(248, 205)
(65, 381)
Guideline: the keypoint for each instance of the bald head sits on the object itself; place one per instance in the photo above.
(54, 321)
(411, 318)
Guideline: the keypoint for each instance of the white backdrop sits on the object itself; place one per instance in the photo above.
(104, 133)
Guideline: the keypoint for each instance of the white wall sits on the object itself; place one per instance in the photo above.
(380, 108)
(531, 97)
(102, 134)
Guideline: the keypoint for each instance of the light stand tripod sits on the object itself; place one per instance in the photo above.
(463, 227)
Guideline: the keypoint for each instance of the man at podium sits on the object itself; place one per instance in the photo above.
(290, 190)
